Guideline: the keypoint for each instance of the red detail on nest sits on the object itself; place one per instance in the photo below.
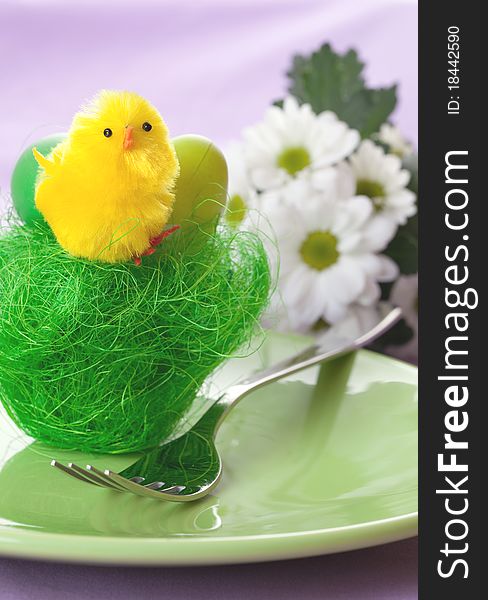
(154, 243)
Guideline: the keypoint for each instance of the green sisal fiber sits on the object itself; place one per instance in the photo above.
(108, 357)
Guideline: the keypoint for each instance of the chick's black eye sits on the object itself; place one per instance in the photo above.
(107, 132)
(147, 126)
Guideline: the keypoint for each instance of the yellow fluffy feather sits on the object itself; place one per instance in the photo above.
(107, 190)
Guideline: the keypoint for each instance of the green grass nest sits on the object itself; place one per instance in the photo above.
(108, 357)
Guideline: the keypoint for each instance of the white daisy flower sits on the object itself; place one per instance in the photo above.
(242, 197)
(393, 138)
(293, 141)
(372, 173)
(325, 260)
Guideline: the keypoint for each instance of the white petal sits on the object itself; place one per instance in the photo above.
(358, 211)
(344, 281)
(334, 312)
(378, 233)
(296, 287)
(371, 294)
(388, 269)
(346, 181)
(266, 178)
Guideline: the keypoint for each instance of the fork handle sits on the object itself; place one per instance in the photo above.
(323, 350)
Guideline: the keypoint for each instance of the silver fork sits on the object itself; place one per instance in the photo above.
(189, 467)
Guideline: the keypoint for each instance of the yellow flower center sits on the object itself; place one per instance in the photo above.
(294, 159)
(373, 190)
(319, 250)
(236, 210)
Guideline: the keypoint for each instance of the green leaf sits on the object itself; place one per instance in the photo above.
(330, 81)
(374, 109)
(403, 249)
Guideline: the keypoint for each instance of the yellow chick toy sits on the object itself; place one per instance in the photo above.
(107, 190)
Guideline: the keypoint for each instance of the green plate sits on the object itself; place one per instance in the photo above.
(322, 462)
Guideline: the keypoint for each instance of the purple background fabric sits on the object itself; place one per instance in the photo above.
(382, 573)
(211, 67)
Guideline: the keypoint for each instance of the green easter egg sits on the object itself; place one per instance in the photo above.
(23, 181)
(201, 187)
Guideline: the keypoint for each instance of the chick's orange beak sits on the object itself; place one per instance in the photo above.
(128, 139)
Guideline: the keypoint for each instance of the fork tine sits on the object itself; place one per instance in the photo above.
(137, 479)
(71, 472)
(129, 486)
(162, 494)
(157, 485)
(107, 481)
(92, 477)
(174, 489)
(114, 481)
